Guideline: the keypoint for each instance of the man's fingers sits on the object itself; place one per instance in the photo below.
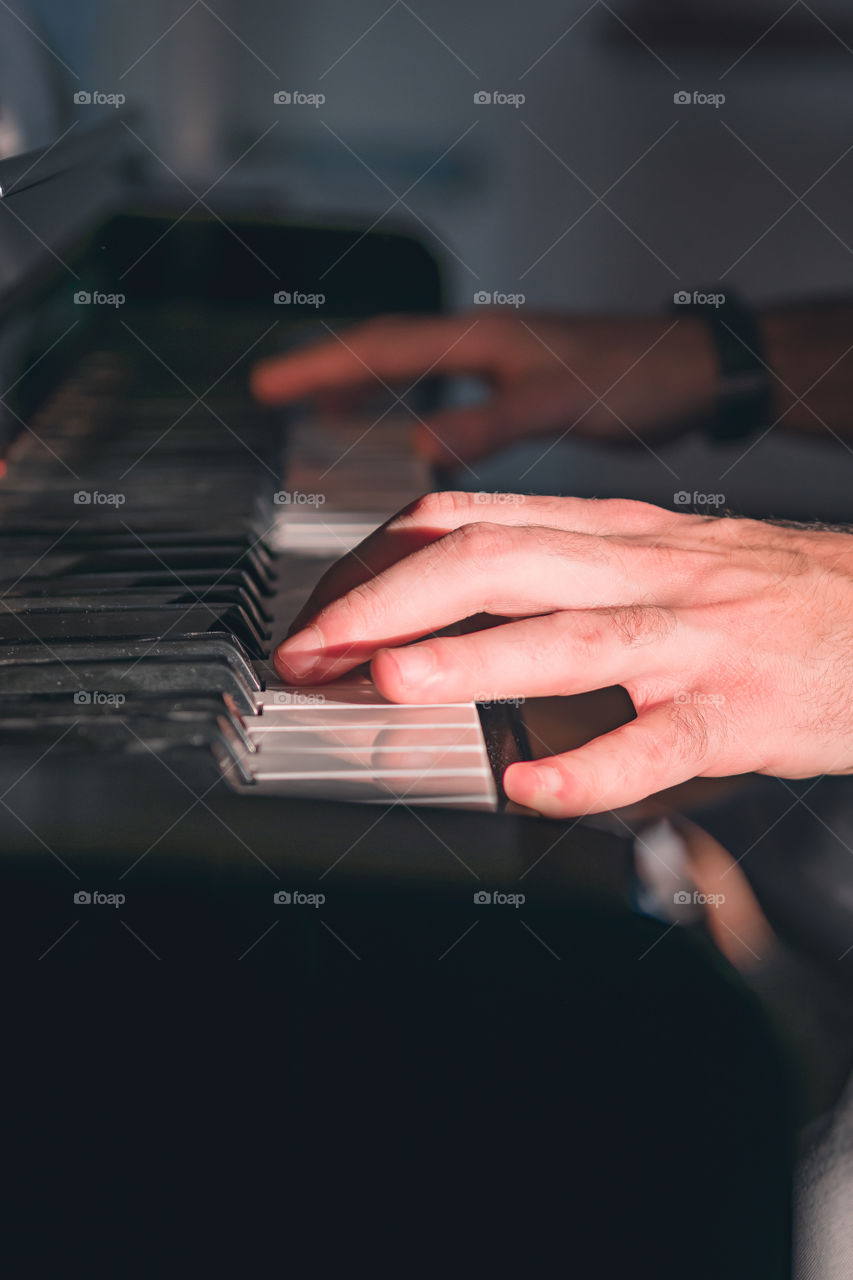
(437, 514)
(529, 407)
(460, 435)
(665, 746)
(360, 565)
(563, 653)
(478, 568)
(384, 350)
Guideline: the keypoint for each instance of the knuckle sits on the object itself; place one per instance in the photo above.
(360, 607)
(628, 510)
(586, 643)
(440, 508)
(480, 543)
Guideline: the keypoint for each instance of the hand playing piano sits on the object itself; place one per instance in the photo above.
(733, 638)
(614, 378)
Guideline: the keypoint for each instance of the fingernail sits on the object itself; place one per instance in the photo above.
(547, 779)
(301, 653)
(415, 666)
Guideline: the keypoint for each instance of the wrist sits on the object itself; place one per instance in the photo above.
(671, 383)
(696, 373)
(745, 385)
(783, 344)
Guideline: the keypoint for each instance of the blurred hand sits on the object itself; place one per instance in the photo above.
(733, 638)
(620, 379)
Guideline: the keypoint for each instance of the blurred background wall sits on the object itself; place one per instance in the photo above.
(400, 81)
(600, 191)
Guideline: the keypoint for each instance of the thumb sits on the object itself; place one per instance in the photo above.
(661, 748)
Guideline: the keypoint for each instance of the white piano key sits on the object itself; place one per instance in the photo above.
(345, 741)
(365, 787)
(343, 730)
(414, 760)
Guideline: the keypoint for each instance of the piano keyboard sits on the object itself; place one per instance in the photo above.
(345, 741)
(152, 553)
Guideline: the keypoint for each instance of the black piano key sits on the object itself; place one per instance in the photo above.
(136, 736)
(170, 621)
(201, 664)
(61, 710)
(122, 591)
(60, 563)
(217, 599)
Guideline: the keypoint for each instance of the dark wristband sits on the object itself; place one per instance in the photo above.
(745, 396)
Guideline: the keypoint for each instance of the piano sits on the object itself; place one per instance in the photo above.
(159, 529)
(165, 798)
